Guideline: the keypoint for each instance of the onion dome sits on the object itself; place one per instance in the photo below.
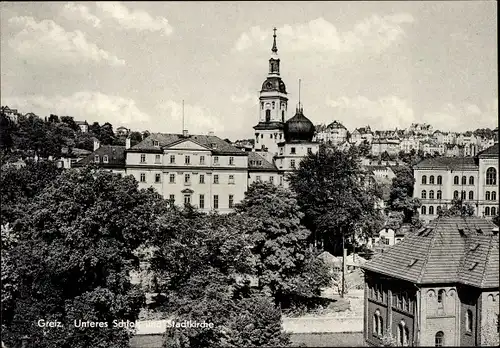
(299, 128)
(273, 83)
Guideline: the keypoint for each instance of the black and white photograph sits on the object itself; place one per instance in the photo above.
(191, 174)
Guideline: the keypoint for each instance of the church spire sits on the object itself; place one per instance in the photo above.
(275, 48)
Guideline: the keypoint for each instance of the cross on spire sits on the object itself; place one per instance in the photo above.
(275, 48)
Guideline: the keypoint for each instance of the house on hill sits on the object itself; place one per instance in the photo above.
(437, 287)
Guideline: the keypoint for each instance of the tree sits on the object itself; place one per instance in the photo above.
(68, 120)
(6, 129)
(496, 220)
(75, 250)
(365, 148)
(458, 208)
(85, 141)
(135, 138)
(53, 118)
(106, 134)
(95, 129)
(286, 265)
(335, 196)
(401, 196)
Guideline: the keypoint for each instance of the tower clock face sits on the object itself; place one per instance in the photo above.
(269, 85)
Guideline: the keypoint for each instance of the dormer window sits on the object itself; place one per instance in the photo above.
(96, 158)
(105, 159)
(156, 143)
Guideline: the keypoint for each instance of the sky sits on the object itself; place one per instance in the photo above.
(383, 64)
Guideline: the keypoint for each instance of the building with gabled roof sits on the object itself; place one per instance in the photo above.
(437, 287)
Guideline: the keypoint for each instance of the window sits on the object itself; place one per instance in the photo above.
(463, 195)
(231, 179)
(262, 105)
(105, 159)
(271, 179)
(439, 339)
(187, 160)
(471, 195)
(282, 116)
(96, 158)
(455, 195)
(172, 159)
(202, 202)
(202, 178)
(268, 115)
(216, 159)
(423, 210)
(493, 195)
(187, 199)
(439, 180)
(468, 320)
(172, 178)
(431, 179)
(440, 298)
(281, 151)
(464, 180)
(202, 159)
(216, 178)
(309, 150)
(439, 194)
(231, 161)
(157, 177)
(456, 180)
(187, 178)
(438, 209)
(216, 201)
(274, 105)
(143, 177)
(487, 211)
(172, 199)
(493, 211)
(424, 179)
(431, 210)
(292, 163)
(424, 194)
(281, 181)
(491, 176)
(143, 158)
(270, 136)
(157, 158)
(471, 180)
(431, 194)
(231, 201)
(378, 322)
(292, 150)
(487, 195)
(156, 143)
(403, 334)
(257, 178)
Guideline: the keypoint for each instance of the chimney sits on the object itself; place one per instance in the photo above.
(127, 143)
(96, 144)
(185, 133)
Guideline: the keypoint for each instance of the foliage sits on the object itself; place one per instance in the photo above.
(458, 208)
(365, 148)
(401, 196)
(6, 129)
(74, 251)
(335, 195)
(135, 138)
(496, 220)
(484, 133)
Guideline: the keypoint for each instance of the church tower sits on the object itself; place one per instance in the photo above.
(273, 105)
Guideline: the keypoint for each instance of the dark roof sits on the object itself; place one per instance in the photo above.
(491, 152)
(450, 163)
(211, 142)
(448, 250)
(336, 124)
(115, 153)
(269, 125)
(258, 163)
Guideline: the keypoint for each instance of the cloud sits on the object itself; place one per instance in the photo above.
(85, 105)
(243, 98)
(197, 119)
(48, 42)
(78, 12)
(384, 113)
(375, 32)
(134, 19)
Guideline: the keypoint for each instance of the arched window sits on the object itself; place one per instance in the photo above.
(493, 196)
(268, 115)
(283, 116)
(424, 194)
(431, 179)
(439, 339)
(378, 324)
(471, 195)
(468, 320)
(487, 211)
(440, 180)
(464, 180)
(439, 194)
(423, 210)
(431, 210)
(493, 211)
(491, 176)
(487, 195)
(424, 179)
(471, 180)
(431, 194)
(441, 294)
(455, 195)
(455, 180)
(463, 195)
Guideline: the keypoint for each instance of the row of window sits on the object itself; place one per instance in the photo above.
(488, 211)
(187, 159)
(400, 300)
(431, 180)
(270, 136)
(489, 196)
(187, 178)
(283, 105)
(201, 201)
(491, 178)
(293, 150)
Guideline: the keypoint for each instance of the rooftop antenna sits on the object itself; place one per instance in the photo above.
(300, 108)
(184, 130)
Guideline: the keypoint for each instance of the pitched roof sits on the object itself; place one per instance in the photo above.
(115, 153)
(335, 124)
(490, 152)
(212, 142)
(450, 163)
(257, 163)
(448, 250)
